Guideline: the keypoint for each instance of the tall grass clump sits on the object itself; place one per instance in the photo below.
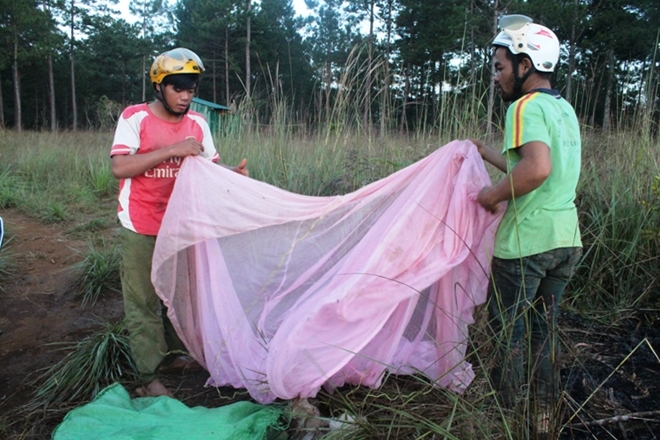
(11, 192)
(411, 407)
(654, 204)
(7, 260)
(619, 270)
(55, 176)
(100, 178)
(98, 272)
(308, 165)
(90, 365)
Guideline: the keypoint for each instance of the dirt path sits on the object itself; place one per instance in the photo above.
(37, 306)
(39, 310)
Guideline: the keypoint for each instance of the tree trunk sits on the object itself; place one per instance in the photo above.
(247, 49)
(473, 67)
(213, 78)
(144, 13)
(227, 97)
(144, 77)
(18, 123)
(608, 90)
(491, 86)
(328, 84)
(385, 103)
(406, 91)
(366, 115)
(2, 108)
(571, 58)
(51, 94)
(123, 83)
(592, 121)
(74, 107)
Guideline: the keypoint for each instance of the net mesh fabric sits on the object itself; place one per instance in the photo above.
(281, 293)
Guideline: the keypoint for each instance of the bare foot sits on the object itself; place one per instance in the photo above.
(155, 388)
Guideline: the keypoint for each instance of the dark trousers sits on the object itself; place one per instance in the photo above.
(523, 302)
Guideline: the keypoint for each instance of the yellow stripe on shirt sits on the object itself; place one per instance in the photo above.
(518, 122)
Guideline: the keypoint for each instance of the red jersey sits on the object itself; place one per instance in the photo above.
(143, 199)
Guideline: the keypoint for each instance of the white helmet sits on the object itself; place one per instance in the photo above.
(521, 35)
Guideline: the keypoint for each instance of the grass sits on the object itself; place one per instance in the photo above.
(71, 171)
(98, 360)
(7, 265)
(9, 187)
(98, 272)
(619, 211)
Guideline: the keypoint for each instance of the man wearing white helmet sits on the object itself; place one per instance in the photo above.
(151, 141)
(538, 244)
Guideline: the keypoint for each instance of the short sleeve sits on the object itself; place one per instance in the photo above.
(127, 133)
(209, 147)
(207, 137)
(525, 122)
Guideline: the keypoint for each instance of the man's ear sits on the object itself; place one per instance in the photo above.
(524, 65)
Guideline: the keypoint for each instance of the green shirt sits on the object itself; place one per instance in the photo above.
(545, 218)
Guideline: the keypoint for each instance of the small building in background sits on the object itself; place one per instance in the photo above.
(214, 113)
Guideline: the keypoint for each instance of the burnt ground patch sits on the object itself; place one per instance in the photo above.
(611, 375)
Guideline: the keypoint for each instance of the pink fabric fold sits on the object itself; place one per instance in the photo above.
(281, 293)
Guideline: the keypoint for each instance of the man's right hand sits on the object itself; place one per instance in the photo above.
(480, 146)
(131, 165)
(489, 155)
(187, 147)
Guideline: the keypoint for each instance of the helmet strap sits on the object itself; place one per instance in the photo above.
(159, 96)
(520, 80)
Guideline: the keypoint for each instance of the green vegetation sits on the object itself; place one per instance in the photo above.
(56, 177)
(98, 272)
(619, 271)
(98, 360)
(6, 259)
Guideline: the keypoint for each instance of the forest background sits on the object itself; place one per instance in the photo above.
(74, 64)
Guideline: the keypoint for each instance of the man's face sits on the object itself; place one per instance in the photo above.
(505, 80)
(178, 99)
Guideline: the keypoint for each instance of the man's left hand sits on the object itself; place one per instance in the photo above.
(241, 168)
(486, 200)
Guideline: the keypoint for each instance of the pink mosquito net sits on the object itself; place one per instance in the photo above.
(281, 293)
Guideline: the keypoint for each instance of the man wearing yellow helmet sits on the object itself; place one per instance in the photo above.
(179, 68)
(151, 141)
(537, 245)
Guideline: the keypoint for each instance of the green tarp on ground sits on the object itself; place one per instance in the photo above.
(114, 416)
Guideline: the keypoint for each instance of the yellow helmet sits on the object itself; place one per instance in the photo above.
(175, 62)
